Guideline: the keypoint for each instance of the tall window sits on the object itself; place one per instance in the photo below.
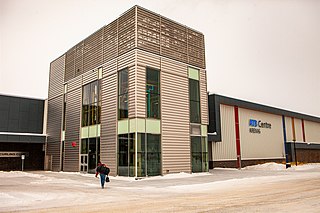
(199, 152)
(153, 93)
(91, 104)
(123, 93)
(194, 96)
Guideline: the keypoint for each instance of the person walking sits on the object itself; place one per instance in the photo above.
(103, 170)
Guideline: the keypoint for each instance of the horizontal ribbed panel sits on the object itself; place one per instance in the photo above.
(126, 60)
(204, 97)
(196, 50)
(109, 68)
(174, 67)
(78, 61)
(175, 122)
(108, 149)
(56, 77)
(75, 83)
(73, 110)
(89, 76)
(69, 70)
(148, 60)
(55, 108)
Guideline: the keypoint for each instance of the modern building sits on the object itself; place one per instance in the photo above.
(242, 133)
(22, 132)
(134, 95)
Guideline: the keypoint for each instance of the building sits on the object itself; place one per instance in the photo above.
(132, 94)
(22, 132)
(242, 133)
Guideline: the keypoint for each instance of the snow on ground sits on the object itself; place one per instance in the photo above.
(26, 190)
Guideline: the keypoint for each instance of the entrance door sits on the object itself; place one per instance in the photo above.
(84, 163)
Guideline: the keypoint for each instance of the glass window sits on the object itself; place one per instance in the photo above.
(153, 155)
(84, 146)
(199, 152)
(123, 94)
(194, 97)
(123, 158)
(91, 104)
(153, 93)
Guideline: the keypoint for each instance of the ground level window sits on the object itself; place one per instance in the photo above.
(199, 152)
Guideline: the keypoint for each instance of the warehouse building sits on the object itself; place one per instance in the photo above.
(134, 95)
(242, 133)
(22, 133)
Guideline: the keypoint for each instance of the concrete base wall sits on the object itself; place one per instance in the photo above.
(244, 163)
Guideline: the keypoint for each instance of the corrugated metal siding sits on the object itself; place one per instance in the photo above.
(56, 77)
(110, 41)
(75, 83)
(141, 92)
(55, 107)
(174, 67)
(148, 60)
(289, 132)
(109, 68)
(148, 31)
(126, 31)
(203, 97)
(108, 138)
(89, 76)
(298, 129)
(78, 61)
(266, 145)
(70, 70)
(196, 50)
(226, 149)
(312, 130)
(175, 122)
(93, 52)
(126, 60)
(73, 110)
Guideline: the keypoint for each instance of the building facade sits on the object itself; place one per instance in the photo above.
(242, 133)
(22, 132)
(133, 95)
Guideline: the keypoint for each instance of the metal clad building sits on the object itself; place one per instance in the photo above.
(242, 133)
(133, 95)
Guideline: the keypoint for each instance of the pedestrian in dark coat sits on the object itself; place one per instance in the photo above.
(103, 170)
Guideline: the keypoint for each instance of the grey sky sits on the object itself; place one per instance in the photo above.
(257, 50)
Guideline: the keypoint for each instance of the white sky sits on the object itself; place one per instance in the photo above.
(265, 51)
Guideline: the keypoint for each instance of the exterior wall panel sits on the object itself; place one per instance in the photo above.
(56, 76)
(55, 107)
(298, 129)
(266, 145)
(75, 83)
(126, 31)
(110, 41)
(175, 122)
(132, 92)
(89, 76)
(73, 110)
(312, 130)
(226, 149)
(204, 97)
(174, 67)
(289, 132)
(108, 138)
(93, 51)
(148, 60)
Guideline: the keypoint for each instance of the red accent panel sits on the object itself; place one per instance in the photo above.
(303, 132)
(236, 116)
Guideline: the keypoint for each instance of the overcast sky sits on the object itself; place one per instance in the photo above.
(263, 51)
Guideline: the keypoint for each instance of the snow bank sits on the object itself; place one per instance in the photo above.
(267, 167)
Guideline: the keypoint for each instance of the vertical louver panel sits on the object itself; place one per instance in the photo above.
(108, 138)
(78, 61)
(196, 51)
(175, 122)
(173, 40)
(132, 92)
(70, 69)
(203, 97)
(148, 60)
(126, 32)
(148, 31)
(56, 77)
(89, 76)
(110, 41)
(73, 110)
(93, 52)
(55, 107)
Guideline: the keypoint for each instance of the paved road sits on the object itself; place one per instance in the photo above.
(220, 191)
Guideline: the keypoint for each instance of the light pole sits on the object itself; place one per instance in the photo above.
(22, 159)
